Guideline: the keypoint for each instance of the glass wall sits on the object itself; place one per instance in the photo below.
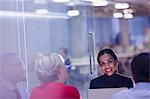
(31, 27)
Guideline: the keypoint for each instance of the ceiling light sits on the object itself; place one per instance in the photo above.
(40, 1)
(100, 3)
(121, 5)
(50, 15)
(128, 11)
(88, 0)
(73, 13)
(41, 11)
(61, 1)
(117, 15)
(128, 16)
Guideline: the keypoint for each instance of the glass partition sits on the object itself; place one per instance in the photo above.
(31, 27)
(55, 31)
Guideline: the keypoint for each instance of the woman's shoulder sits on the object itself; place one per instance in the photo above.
(98, 78)
(123, 76)
(72, 91)
(71, 88)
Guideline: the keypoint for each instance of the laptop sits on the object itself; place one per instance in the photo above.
(104, 93)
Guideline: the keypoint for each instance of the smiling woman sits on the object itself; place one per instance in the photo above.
(31, 27)
(108, 62)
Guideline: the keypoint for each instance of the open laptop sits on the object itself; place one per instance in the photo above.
(105, 93)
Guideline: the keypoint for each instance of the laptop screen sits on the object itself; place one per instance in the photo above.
(105, 93)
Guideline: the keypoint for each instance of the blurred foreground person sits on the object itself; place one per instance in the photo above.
(12, 73)
(108, 63)
(140, 66)
(52, 73)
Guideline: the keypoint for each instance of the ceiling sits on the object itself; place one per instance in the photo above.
(140, 8)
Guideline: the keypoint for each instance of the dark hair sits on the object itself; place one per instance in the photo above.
(65, 50)
(140, 66)
(107, 51)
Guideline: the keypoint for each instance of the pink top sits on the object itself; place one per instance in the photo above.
(55, 91)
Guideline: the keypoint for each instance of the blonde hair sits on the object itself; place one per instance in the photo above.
(47, 66)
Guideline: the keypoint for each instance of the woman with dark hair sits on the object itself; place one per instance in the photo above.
(108, 63)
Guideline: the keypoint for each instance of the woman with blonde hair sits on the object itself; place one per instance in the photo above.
(52, 73)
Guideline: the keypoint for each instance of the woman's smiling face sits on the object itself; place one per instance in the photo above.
(108, 64)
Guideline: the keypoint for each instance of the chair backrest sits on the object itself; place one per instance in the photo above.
(104, 93)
